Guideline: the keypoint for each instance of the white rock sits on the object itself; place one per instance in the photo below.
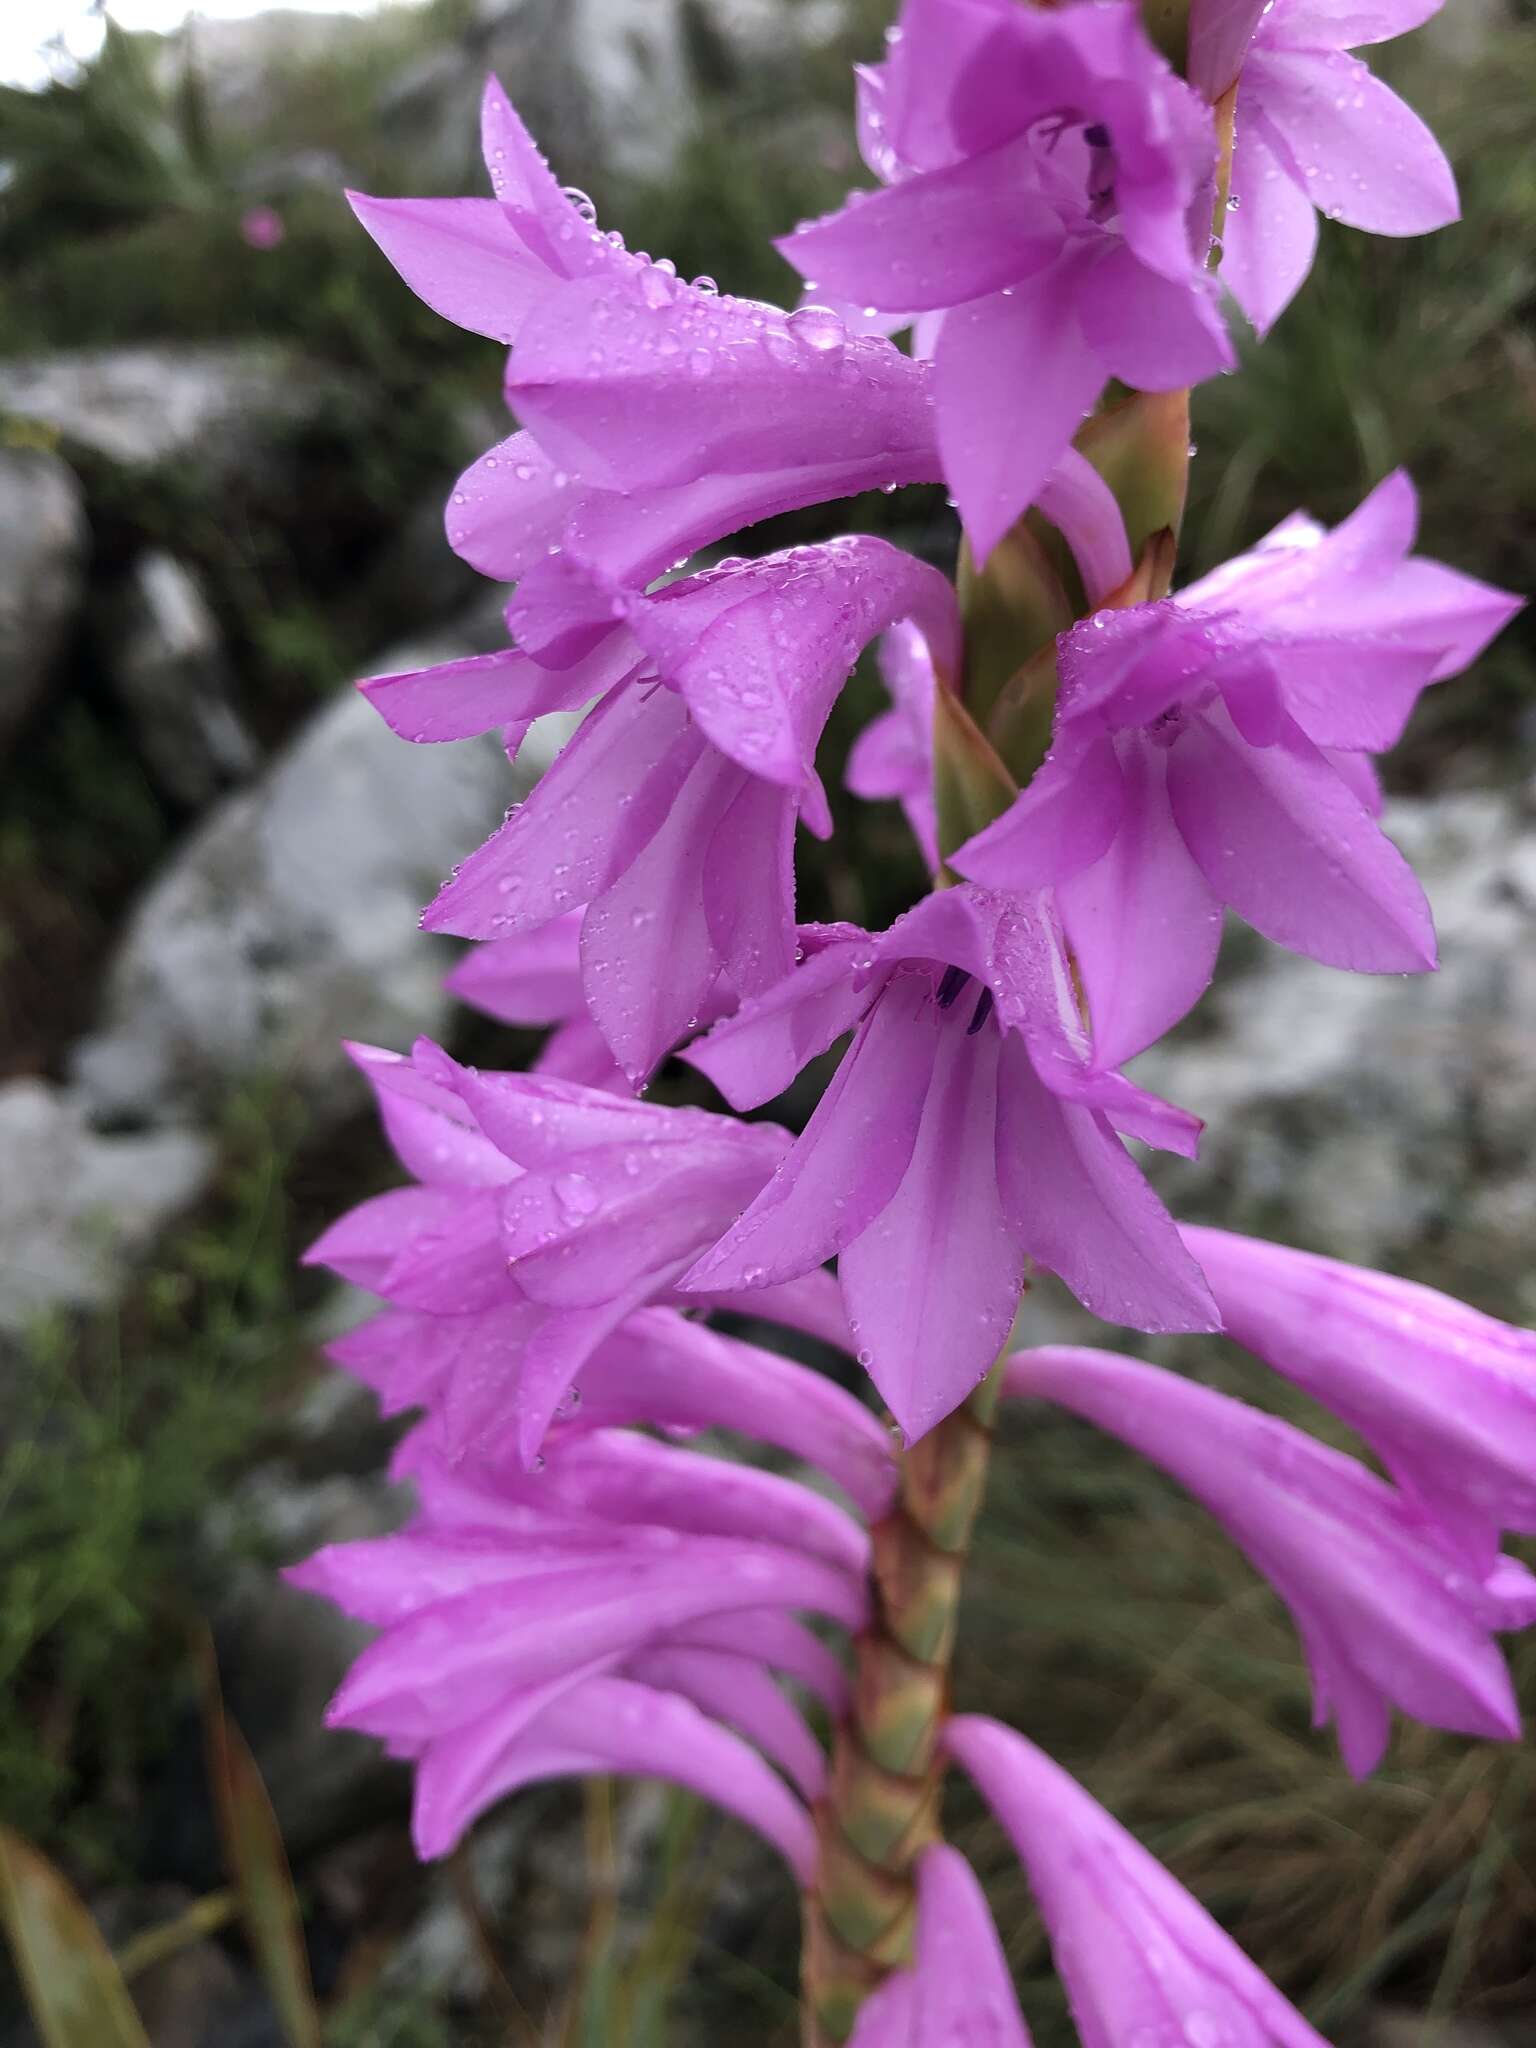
(164, 655)
(42, 549)
(289, 918)
(1386, 1119)
(76, 1207)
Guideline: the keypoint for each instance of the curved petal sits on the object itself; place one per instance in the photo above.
(609, 790)
(1269, 237)
(933, 1282)
(1153, 332)
(649, 963)
(1282, 839)
(605, 1724)
(849, 1160)
(1013, 380)
(635, 381)
(1367, 159)
(935, 240)
(1077, 1204)
(1143, 923)
(460, 256)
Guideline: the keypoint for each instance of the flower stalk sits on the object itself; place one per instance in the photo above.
(882, 1804)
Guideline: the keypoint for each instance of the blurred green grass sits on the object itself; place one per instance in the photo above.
(1105, 1615)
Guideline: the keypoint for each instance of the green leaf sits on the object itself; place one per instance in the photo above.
(1140, 447)
(1167, 23)
(971, 785)
(258, 1865)
(74, 1989)
(1013, 605)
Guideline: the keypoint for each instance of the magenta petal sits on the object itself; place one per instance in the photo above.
(532, 979)
(1143, 923)
(1368, 160)
(761, 652)
(776, 1640)
(957, 1992)
(667, 401)
(662, 1368)
(888, 2017)
(1064, 821)
(540, 213)
(749, 890)
(937, 239)
(848, 1161)
(1281, 838)
(613, 1725)
(933, 1282)
(965, 1993)
(755, 1054)
(616, 1475)
(1151, 331)
(737, 1691)
(455, 1776)
(1270, 236)
(1382, 1599)
(1350, 24)
(428, 1126)
(460, 256)
(648, 961)
(362, 1245)
(1013, 380)
(1077, 1203)
(1140, 1959)
(461, 698)
(572, 836)
(1219, 34)
(451, 1661)
(1444, 1395)
(509, 509)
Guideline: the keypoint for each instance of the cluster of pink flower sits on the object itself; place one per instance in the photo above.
(576, 1595)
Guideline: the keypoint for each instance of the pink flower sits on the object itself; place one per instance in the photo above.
(1211, 749)
(1388, 1610)
(1049, 192)
(658, 416)
(671, 813)
(544, 1214)
(261, 227)
(1142, 1962)
(627, 1608)
(963, 1133)
(1445, 1396)
(957, 1993)
(1315, 133)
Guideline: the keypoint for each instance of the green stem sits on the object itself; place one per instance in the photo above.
(882, 1801)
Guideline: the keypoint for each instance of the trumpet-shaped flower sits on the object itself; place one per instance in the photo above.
(1445, 1396)
(1141, 1960)
(543, 1215)
(671, 813)
(1049, 186)
(536, 979)
(627, 1608)
(1315, 133)
(657, 415)
(1388, 1608)
(963, 1133)
(957, 1993)
(1211, 749)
